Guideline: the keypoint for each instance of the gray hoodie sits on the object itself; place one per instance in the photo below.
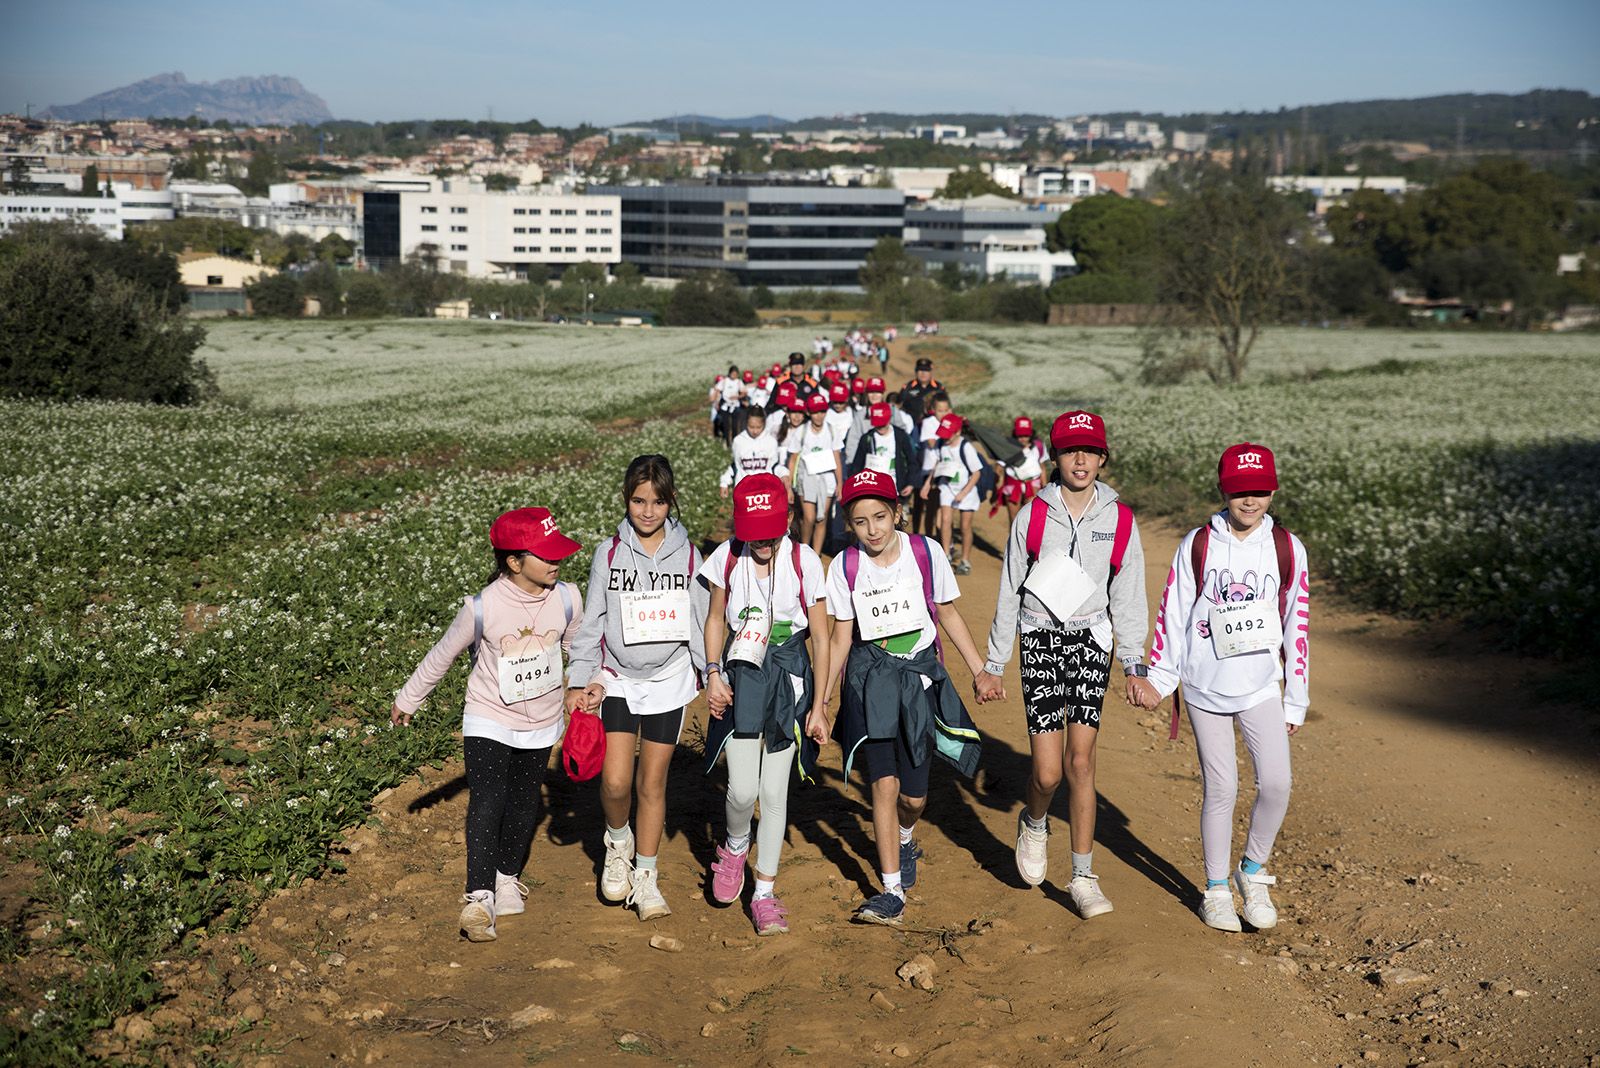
(1090, 545)
(630, 569)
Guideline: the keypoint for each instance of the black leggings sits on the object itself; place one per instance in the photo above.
(502, 808)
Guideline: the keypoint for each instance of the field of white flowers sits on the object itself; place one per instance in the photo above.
(208, 611)
(1427, 472)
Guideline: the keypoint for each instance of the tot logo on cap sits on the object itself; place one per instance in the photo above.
(1022, 428)
(879, 414)
(1077, 430)
(869, 483)
(749, 376)
(874, 385)
(838, 393)
(1247, 468)
(816, 403)
(950, 426)
(760, 508)
(858, 385)
(531, 530)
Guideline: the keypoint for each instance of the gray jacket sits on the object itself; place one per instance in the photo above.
(630, 569)
(1089, 543)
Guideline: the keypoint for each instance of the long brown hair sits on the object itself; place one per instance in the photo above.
(657, 470)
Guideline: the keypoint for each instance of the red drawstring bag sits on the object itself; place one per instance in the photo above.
(583, 749)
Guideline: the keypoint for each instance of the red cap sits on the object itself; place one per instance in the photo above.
(531, 530)
(749, 376)
(583, 747)
(1022, 428)
(1247, 468)
(831, 376)
(760, 508)
(786, 393)
(874, 385)
(777, 368)
(838, 393)
(869, 483)
(1078, 430)
(816, 403)
(794, 404)
(879, 414)
(950, 426)
(857, 385)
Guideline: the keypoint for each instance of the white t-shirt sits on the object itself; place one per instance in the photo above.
(882, 444)
(731, 388)
(781, 589)
(810, 439)
(839, 422)
(751, 456)
(872, 577)
(930, 441)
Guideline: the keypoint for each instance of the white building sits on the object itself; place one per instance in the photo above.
(919, 182)
(939, 131)
(471, 231)
(1139, 171)
(988, 235)
(102, 213)
(1332, 189)
(1184, 141)
(1041, 183)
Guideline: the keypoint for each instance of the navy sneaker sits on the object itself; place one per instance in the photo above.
(910, 853)
(885, 908)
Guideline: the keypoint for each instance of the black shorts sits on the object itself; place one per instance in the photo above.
(663, 727)
(1064, 678)
(882, 758)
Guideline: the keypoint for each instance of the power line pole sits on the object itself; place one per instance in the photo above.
(1461, 134)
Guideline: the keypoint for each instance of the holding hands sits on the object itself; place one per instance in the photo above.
(719, 695)
(987, 687)
(1141, 694)
(817, 726)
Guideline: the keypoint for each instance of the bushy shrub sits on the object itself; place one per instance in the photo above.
(71, 326)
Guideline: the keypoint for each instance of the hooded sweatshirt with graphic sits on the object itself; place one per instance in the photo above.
(1116, 604)
(1236, 570)
(621, 565)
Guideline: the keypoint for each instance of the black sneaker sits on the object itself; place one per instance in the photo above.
(884, 908)
(910, 853)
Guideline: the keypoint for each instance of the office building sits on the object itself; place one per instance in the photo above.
(988, 236)
(777, 235)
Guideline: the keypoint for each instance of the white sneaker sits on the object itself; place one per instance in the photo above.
(615, 876)
(1033, 854)
(645, 895)
(1086, 896)
(509, 895)
(1217, 909)
(477, 916)
(1258, 910)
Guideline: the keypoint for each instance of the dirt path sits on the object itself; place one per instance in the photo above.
(1434, 875)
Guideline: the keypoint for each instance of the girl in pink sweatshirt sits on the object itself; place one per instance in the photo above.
(1232, 629)
(517, 630)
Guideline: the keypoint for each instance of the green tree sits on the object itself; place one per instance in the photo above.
(1229, 263)
(500, 183)
(71, 328)
(155, 272)
(17, 178)
(1103, 288)
(708, 299)
(263, 170)
(965, 183)
(333, 248)
(365, 296)
(91, 181)
(885, 274)
(325, 284)
(1108, 234)
(276, 295)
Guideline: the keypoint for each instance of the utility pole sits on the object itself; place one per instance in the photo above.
(1461, 134)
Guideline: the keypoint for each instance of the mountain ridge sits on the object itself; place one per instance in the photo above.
(267, 99)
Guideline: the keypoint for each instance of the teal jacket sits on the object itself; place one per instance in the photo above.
(884, 698)
(764, 703)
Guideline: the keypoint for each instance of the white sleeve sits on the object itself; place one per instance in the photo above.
(838, 592)
(811, 571)
(711, 570)
(945, 588)
(1297, 639)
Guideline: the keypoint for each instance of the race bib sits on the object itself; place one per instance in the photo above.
(751, 637)
(890, 610)
(1239, 627)
(659, 616)
(522, 678)
(880, 461)
(817, 462)
(949, 470)
(1060, 583)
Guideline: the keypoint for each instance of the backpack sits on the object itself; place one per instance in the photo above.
(1039, 511)
(736, 549)
(1282, 547)
(477, 619)
(923, 556)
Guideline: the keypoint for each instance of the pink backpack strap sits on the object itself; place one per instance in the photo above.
(1119, 543)
(852, 565)
(1038, 512)
(924, 558)
(611, 553)
(735, 547)
(1197, 559)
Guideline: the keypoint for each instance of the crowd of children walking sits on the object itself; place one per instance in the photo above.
(793, 654)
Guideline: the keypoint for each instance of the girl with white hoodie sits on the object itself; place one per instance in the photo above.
(1232, 630)
(516, 629)
(639, 659)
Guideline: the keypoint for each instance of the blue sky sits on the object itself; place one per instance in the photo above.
(604, 62)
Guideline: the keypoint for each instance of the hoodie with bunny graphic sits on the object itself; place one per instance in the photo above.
(1185, 650)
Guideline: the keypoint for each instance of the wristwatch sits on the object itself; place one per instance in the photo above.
(1137, 671)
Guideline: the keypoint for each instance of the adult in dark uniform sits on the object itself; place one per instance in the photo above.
(914, 395)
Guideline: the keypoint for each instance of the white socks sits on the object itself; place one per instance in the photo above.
(891, 881)
(763, 888)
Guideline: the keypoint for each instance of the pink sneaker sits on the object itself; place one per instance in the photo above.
(727, 875)
(768, 914)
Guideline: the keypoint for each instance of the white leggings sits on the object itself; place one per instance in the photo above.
(753, 772)
(1267, 739)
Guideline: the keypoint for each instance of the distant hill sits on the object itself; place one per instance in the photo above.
(267, 100)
